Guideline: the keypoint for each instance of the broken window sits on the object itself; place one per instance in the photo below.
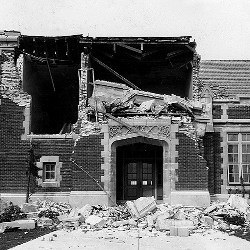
(238, 158)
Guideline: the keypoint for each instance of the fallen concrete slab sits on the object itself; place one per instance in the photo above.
(235, 201)
(95, 221)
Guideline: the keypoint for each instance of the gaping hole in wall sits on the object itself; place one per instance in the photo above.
(51, 64)
(157, 65)
(50, 76)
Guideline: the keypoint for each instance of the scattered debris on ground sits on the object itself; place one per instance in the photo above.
(141, 214)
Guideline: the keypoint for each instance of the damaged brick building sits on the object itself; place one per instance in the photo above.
(116, 118)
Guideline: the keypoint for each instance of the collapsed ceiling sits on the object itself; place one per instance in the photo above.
(160, 65)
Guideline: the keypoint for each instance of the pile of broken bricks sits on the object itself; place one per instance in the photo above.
(141, 214)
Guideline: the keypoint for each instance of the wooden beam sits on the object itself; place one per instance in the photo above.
(150, 52)
(130, 48)
(115, 73)
(173, 54)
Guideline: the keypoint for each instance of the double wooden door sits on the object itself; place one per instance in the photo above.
(139, 178)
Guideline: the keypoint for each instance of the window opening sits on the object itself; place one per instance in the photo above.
(238, 151)
(49, 170)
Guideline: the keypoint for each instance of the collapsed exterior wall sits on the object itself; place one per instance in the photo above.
(85, 160)
(12, 104)
(11, 79)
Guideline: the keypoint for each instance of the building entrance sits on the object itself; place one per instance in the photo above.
(139, 171)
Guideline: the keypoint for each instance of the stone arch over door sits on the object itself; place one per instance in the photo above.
(143, 140)
(154, 132)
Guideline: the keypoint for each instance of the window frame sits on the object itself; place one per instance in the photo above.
(45, 171)
(240, 142)
(43, 182)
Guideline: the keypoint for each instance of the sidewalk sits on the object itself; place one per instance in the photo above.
(111, 239)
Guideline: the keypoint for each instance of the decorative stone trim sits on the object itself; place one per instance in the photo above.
(150, 130)
(52, 136)
(58, 167)
(105, 154)
(223, 134)
(224, 108)
(171, 167)
(160, 132)
(26, 123)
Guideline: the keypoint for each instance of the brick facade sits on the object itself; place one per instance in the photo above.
(14, 152)
(15, 143)
(189, 163)
(192, 167)
(63, 149)
(87, 154)
(14, 155)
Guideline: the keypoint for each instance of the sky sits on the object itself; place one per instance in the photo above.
(221, 28)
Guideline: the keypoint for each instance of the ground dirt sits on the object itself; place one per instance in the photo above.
(13, 238)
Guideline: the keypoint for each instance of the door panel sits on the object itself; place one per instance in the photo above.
(147, 179)
(138, 179)
(131, 180)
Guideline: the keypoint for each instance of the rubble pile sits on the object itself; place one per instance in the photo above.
(142, 214)
(197, 83)
(47, 205)
(129, 102)
(124, 102)
(145, 214)
(48, 212)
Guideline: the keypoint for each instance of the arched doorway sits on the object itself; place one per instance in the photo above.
(139, 171)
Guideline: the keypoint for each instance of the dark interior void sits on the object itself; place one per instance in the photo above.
(50, 76)
(55, 93)
(139, 171)
(160, 68)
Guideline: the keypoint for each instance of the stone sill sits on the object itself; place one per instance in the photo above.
(50, 184)
(72, 136)
(220, 101)
(231, 120)
(238, 186)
